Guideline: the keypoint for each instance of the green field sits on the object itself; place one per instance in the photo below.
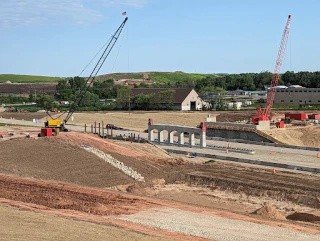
(13, 78)
(117, 76)
(169, 77)
(160, 77)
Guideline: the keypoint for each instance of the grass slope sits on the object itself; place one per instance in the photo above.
(160, 77)
(27, 78)
(169, 77)
(117, 76)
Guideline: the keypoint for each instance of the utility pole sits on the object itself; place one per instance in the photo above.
(129, 103)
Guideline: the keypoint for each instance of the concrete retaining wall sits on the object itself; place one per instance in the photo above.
(236, 134)
(262, 143)
(256, 162)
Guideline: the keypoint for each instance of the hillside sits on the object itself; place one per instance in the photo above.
(14, 78)
(160, 77)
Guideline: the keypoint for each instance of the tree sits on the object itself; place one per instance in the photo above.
(104, 89)
(76, 83)
(218, 100)
(46, 102)
(142, 102)
(123, 96)
(31, 97)
(263, 79)
(165, 99)
(89, 99)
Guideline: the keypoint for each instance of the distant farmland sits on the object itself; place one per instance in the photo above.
(13, 78)
(26, 89)
(26, 84)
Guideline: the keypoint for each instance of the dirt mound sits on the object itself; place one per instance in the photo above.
(297, 135)
(71, 197)
(158, 182)
(53, 159)
(95, 141)
(268, 211)
(136, 188)
(305, 217)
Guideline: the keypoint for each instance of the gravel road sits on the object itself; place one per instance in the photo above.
(213, 227)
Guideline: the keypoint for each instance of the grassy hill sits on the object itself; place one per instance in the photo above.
(166, 77)
(160, 77)
(13, 78)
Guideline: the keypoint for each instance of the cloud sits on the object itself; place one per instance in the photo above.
(56, 12)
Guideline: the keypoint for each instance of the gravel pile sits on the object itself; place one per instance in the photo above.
(114, 162)
(213, 227)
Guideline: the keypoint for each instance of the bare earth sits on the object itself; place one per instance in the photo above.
(52, 186)
(31, 226)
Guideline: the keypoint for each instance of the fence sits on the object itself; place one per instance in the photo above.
(108, 132)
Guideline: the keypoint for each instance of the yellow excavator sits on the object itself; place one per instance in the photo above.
(55, 124)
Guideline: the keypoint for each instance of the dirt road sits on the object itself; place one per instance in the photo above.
(23, 224)
(178, 221)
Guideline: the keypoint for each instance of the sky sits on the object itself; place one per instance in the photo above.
(60, 37)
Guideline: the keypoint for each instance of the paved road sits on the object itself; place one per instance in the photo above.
(265, 153)
(278, 157)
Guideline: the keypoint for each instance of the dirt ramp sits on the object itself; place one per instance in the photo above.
(268, 211)
(63, 196)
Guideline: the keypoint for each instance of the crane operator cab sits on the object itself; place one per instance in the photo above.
(56, 126)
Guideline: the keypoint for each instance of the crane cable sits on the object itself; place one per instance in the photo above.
(95, 56)
(117, 53)
(82, 72)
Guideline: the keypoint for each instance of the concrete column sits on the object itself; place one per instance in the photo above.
(170, 136)
(150, 135)
(203, 139)
(102, 129)
(191, 139)
(160, 136)
(181, 138)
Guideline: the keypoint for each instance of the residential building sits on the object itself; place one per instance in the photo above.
(183, 98)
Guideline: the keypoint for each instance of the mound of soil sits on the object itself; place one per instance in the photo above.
(136, 188)
(268, 211)
(305, 217)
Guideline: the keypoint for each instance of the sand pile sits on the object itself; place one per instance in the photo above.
(268, 211)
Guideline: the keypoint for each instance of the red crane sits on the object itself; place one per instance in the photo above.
(264, 115)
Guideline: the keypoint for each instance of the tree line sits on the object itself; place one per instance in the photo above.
(244, 81)
(68, 89)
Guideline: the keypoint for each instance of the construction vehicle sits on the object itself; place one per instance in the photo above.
(59, 125)
(264, 114)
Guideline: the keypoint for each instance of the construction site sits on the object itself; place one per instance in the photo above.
(213, 175)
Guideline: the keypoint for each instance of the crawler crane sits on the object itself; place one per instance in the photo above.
(264, 114)
(59, 125)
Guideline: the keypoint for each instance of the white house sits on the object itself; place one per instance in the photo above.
(183, 98)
